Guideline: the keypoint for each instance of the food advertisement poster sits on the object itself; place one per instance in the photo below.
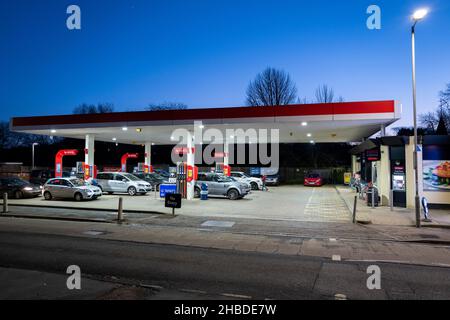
(436, 175)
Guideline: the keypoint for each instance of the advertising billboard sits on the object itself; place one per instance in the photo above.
(436, 168)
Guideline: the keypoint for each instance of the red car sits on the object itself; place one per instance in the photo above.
(313, 180)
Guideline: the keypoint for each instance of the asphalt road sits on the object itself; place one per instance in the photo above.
(216, 273)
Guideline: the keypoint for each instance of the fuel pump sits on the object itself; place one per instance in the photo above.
(182, 178)
(59, 160)
(125, 157)
(226, 170)
(142, 167)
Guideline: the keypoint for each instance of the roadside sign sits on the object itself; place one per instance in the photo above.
(165, 189)
(173, 200)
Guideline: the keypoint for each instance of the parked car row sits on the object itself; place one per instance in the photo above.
(43, 182)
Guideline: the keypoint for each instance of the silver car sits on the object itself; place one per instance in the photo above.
(219, 185)
(121, 182)
(70, 188)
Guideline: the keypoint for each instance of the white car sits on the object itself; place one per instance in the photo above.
(121, 182)
(70, 188)
(255, 183)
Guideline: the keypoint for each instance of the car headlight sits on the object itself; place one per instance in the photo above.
(28, 189)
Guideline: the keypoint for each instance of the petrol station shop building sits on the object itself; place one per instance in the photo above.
(388, 161)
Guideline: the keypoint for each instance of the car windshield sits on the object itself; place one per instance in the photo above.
(78, 182)
(131, 177)
(17, 182)
(314, 176)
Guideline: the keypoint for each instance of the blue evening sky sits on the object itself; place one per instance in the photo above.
(204, 52)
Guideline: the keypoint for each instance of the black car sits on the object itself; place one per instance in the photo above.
(18, 188)
(40, 177)
(153, 178)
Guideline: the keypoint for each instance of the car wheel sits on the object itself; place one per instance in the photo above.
(18, 194)
(254, 186)
(47, 195)
(78, 196)
(132, 191)
(233, 194)
(197, 193)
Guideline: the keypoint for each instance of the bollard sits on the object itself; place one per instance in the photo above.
(5, 202)
(373, 197)
(391, 200)
(354, 209)
(120, 211)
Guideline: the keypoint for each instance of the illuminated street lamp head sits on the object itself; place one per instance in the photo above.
(420, 14)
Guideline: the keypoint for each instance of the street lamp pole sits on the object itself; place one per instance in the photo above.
(418, 15)
(32, 156)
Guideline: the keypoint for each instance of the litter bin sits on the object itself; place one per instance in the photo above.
(375, 197)
(204, 192)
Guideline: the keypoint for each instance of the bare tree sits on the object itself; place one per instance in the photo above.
(325, 94)
(429, 120)
(271, 87)
(92, 108)
(166, 106)
(444, 98)
(303, 101)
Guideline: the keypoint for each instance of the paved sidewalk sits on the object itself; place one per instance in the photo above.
(344, 249)
(384, 216)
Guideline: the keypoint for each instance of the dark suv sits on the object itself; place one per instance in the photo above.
(40, 177)
(153, 178)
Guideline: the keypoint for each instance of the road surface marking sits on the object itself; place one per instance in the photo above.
(340, 296)
(336, 257)
(333, 240)
(239, 296)
(193, 291)
(151, 286)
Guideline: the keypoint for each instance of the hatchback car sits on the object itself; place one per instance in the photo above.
(121, 182)
(313, 180)
(18, 188)
(154, 179)
(219, 185)
(70, 188)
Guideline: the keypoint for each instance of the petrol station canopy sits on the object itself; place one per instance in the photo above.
(302, 123)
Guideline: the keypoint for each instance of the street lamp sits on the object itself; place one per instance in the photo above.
(32, 156)
(417, 16)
